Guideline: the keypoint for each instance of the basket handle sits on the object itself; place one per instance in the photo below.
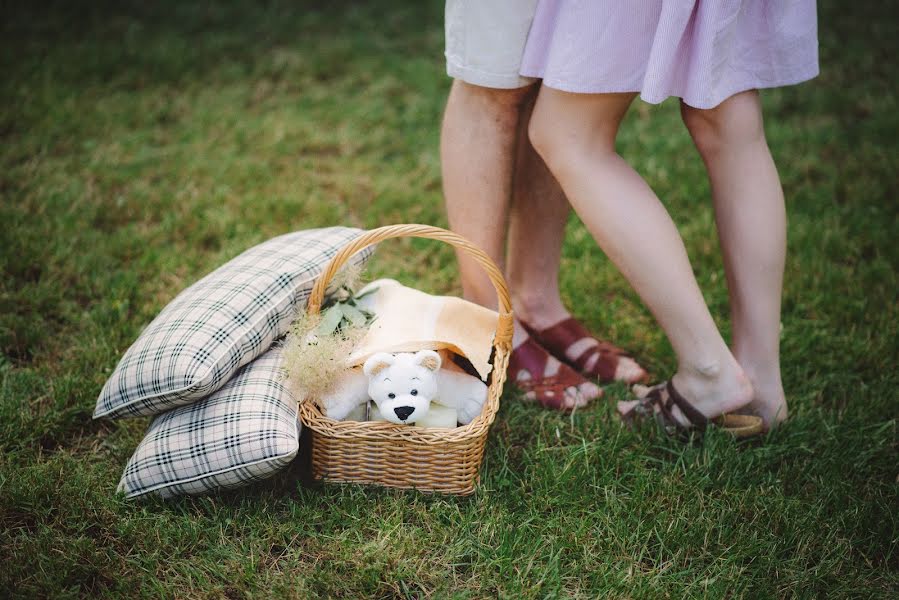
(503, 338)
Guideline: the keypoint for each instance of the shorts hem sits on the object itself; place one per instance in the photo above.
(509, 81)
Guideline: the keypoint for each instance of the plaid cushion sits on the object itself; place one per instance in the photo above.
(220, 323)
(246, 431)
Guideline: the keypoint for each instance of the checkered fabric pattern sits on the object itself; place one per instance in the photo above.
(220, 323)
(246, 431)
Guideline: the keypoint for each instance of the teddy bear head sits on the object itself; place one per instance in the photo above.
(403, 384)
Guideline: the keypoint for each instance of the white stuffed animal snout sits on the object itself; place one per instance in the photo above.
(403, 385)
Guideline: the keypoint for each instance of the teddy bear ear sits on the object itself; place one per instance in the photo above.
(428, 359)
(377, 363)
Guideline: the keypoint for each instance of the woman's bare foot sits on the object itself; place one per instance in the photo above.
(713, 390)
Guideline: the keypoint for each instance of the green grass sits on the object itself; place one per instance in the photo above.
(144, 144)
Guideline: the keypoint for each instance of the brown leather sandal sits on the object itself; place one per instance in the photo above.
(660, 401)
(549, 390)
(558, 338)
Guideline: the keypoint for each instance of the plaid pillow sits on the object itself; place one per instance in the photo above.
(246, 431)
(220, 323)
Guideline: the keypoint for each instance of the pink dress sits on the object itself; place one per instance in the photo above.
(703, 51)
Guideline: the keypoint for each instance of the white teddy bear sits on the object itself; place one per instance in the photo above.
(403, 386)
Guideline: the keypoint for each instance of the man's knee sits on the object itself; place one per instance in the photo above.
(500, 103)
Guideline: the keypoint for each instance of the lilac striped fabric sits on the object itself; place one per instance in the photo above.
(703, 51)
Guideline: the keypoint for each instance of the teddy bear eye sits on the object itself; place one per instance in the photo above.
(414, 392)
(391, 395)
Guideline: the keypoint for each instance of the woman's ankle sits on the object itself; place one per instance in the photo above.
(769, 400)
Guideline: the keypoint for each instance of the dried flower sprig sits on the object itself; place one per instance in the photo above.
(317, 346)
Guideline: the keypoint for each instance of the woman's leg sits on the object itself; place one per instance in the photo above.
(749, 210)
(575, 135)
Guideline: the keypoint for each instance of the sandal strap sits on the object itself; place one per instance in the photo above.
(661, 407)
(652, 404)
(568, 332)
(604, 367)
(665, 410)
(696, 418)
(645, 405)
(530, 357)
(563, 335)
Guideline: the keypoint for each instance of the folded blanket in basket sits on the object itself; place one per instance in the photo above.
(409, 320)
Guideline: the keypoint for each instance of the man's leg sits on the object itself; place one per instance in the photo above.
(477, 154)
(478, 151)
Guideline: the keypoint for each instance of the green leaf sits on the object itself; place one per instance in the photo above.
(331, 319)
(354, 315)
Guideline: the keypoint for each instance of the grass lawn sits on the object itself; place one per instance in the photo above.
(144, 144)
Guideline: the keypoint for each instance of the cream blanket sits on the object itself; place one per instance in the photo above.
(408, 320)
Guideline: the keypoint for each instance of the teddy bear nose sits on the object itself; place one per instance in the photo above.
(403, 412)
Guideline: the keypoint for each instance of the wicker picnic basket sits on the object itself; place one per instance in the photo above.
(401, 456)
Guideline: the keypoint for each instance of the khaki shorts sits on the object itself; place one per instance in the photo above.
(485, 41)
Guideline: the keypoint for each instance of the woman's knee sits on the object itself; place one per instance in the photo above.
(565, 134)
(734, 123)
(541, 134)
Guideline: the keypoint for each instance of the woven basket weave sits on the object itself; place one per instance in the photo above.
(402, 456)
